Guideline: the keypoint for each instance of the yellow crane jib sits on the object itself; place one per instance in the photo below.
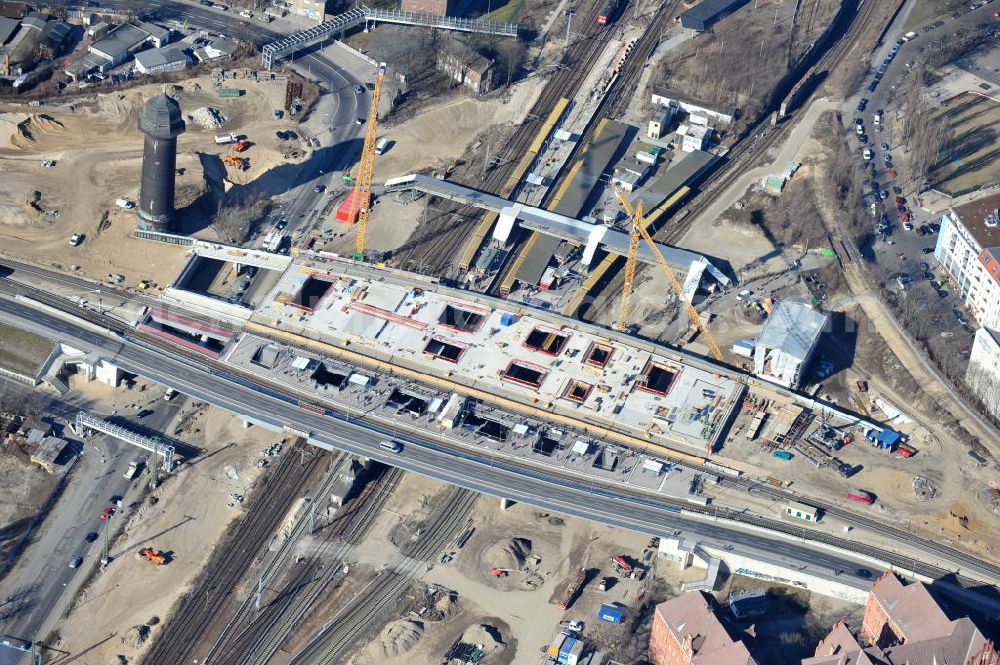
(362, 194)
(667, 270)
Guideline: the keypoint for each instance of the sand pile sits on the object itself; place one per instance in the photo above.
(397, 637)
(485, 636)
(19, 130)
(208, 117)
(508, 554)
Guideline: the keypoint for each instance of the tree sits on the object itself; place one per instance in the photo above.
(509, 55)
(236, 218)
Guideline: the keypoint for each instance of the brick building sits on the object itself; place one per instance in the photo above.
(687, 631)
(432, 7)
(468, 68)
(904, 625)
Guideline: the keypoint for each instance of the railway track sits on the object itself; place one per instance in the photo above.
(744, 153)
(357, 618)
(612, 105)
(438, 249)
(903, 561)
(231, 561)
(257, 637)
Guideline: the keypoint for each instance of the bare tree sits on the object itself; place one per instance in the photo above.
(236, 218)
(509, 55)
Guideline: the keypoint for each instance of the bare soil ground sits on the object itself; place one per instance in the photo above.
(738, 63)
(23, 487)
(98, 149)
(971, 162)
(188, 518)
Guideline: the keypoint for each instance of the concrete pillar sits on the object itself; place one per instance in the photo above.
(506, 503)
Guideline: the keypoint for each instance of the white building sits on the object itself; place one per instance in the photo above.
(787, 342)
(669, 99)
(158, 60)
(983, 373)
(968, 249)
(693, 137)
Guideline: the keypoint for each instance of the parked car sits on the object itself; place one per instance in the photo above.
(91, 537)
(75, 562)
(927, 250)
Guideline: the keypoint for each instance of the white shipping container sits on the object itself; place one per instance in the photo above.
(222, 139)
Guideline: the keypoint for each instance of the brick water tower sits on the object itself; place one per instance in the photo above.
(162, 123)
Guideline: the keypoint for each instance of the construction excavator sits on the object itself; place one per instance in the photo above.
(241, 163)
(153, 555)
(639, 231)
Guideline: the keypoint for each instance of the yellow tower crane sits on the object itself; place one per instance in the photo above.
(630, 265)
(362, 196)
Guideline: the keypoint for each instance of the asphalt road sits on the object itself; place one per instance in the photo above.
(469, 470)
(41, 580)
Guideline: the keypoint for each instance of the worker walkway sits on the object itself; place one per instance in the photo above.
(86, 422)
(591, 236)
(275, 51)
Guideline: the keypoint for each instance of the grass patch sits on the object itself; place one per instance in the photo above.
(506, 13)
(22, 351)
(973, 159)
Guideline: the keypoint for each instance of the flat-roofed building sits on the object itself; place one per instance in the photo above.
(786, 344)
(968, 249)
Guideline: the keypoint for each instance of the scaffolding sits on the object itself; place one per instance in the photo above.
(86, 422)
(275, 51)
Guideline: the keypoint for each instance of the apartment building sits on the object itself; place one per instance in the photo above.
(904, 625)
(687, 631)
(983, 372)
(968, 250)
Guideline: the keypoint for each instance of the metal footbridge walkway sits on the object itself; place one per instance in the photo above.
(275, 51)
(590, 236)
(86, 422)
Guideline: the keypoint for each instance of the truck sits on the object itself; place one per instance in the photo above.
(381, 146)
(132, 471)
(572, 590)
(241, 145)
(230, 92)
(620, 564)
(224, 139)
(905, 450)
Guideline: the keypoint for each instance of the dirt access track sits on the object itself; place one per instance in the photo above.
(97, 149)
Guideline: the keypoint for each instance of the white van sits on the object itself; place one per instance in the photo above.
(391, 446)
(381, 146)
(124, 203)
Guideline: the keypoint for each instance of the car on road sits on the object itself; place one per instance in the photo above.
(947, 333)
(75, 562)
(359, 121)
(863, 572)
(391, 446)
(281, 224)
(927, 250)
(862, 104)
(90, 537)
(907, 225)
(887, 158)
(924, 266)
(75, 239)
(319, 188)
(107, 513)
(864, 139)
(884, 146)
(872, 86)
(360, 89)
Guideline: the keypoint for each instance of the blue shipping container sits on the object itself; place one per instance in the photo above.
(565, 648)
(610, 613)
(507, 319)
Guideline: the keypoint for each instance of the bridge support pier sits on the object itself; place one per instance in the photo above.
(506, 503)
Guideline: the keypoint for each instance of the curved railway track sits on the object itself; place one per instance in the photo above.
(254, 640)
(925, 544)
(220, 578)
(356, 619)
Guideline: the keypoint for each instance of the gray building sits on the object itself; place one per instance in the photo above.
(705, 13)
(8, 26)
(786, 344)
(158, 60)
(120, 43)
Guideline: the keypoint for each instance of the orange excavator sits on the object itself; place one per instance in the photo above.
(241, 145)
(154, 555)
(240, 163)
